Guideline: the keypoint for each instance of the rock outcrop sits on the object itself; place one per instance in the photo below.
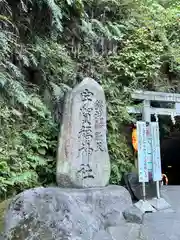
(67, 214)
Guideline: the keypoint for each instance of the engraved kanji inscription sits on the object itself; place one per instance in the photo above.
(85, 171)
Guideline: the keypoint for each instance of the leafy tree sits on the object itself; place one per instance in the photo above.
(47, 46)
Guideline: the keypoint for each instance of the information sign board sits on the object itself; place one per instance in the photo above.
(177, 106)
(142, 152)
(156, 156)
(149, 151)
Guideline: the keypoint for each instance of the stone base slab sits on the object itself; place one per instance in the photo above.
(144, 206)
(159, 204)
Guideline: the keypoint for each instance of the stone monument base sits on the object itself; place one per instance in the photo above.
(144, 206)
(159, 204)
(59, 213)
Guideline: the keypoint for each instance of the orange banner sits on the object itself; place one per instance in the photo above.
(134, 139)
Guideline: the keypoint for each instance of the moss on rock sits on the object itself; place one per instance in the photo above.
(3, 207)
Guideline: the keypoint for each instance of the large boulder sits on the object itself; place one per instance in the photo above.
(135, 187)
(68, 214)
(103, 235)
(133, 215)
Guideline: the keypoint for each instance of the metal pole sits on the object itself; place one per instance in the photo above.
(157, 182)
(157, 189)
(144, 191)
(146, 115)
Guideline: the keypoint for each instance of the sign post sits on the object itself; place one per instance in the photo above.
(142, 156)
(143, 205)
(156, 157)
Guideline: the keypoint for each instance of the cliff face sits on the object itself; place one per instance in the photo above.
(48, 46)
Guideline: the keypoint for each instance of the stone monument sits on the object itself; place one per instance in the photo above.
(85, 207)
(83, 159)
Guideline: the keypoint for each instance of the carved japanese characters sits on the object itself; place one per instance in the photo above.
(83, 159)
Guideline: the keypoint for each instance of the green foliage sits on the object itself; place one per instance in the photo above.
(27, 140)
(48, 45)
(54, 60)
